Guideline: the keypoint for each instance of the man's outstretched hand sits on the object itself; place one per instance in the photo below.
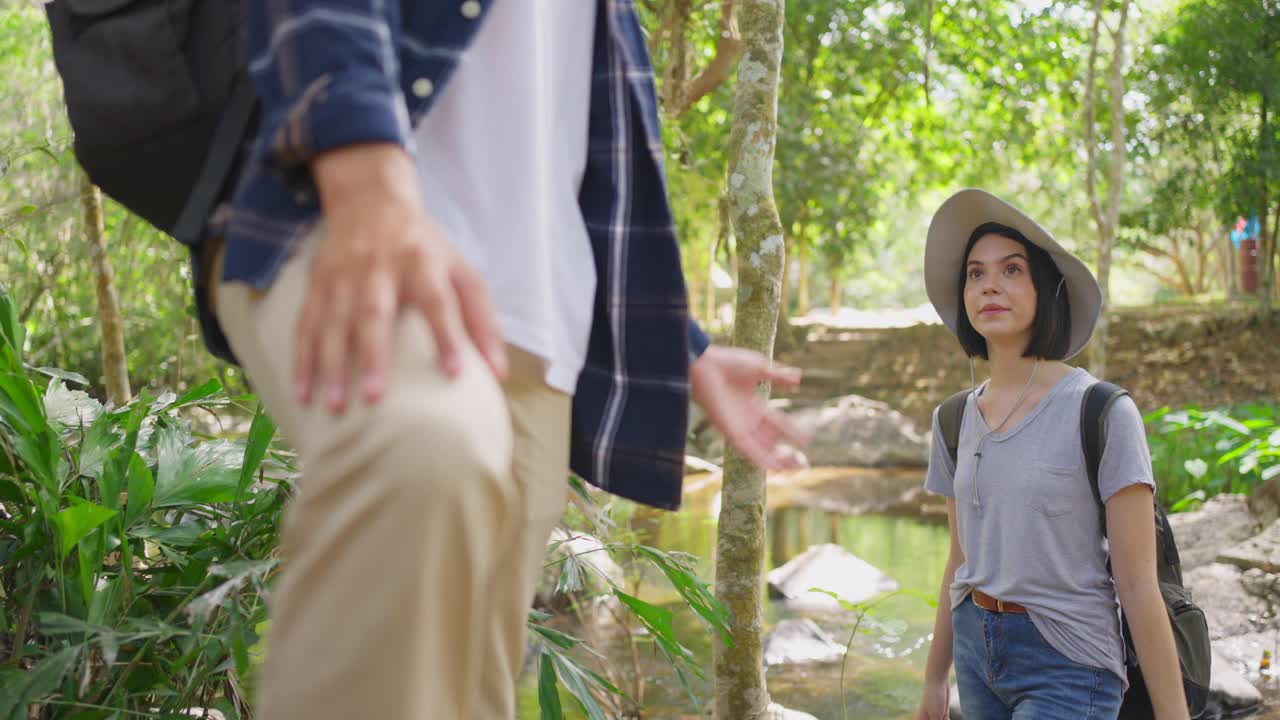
(724, 385)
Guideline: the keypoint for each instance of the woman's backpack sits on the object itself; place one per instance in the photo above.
(1190, 631)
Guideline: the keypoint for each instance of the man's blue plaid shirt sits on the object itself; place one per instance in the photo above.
(338, 72)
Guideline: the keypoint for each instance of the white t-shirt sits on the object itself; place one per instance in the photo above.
(502, 154)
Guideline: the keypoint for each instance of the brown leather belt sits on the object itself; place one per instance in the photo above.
(986, 602)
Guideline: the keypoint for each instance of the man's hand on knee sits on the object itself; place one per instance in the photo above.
(382, 253)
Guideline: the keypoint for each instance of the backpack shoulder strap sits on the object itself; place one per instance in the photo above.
(950, 416)
(1093, 438)
(224, 147)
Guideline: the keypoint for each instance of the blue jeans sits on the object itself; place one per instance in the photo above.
(1005, 670)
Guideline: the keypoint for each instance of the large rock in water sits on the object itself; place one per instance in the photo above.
(828, 567)
(849, 431)
(797, 641)
(858, 432)
(1222, 522)
(777, 712)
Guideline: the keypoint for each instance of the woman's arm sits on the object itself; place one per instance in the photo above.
(1132, 532)
(937, 674)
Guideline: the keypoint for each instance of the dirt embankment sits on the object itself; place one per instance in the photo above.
(1177, 356)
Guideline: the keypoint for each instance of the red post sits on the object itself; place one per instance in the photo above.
(1249, 266)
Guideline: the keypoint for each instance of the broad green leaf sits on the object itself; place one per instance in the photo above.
(548, 695)
(1196, 467)
(260, 433)
(69, 408)
(206, 473)
(179, 536)
(41, 680)
(12, 335)
(12, 684)
(1187, 502)
(578, 683)
(98, 440)
(106, 602)
(20, 403)
(658, 621)
(61, 374)
(56, 623)
(1246, 447)
(555, 636)
(140, 489)
(77, 521)
(39, 451)
(194, 395)
(1228, 422)
(240, 650)
(697, 594)
(1249, 462)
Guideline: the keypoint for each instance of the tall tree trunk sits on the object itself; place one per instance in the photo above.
(724, 234)
(1230, 273)
(1266, 240)
(740, 543)
(836, 298)
(802, 281)
(709, 300)
(784, 341)
(784, 297)
(1106, 220)
(1204, 251)
(114, 368)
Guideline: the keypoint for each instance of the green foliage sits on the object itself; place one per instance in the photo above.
(1197, 454)
(1209, 140)
(134, 556)
(862, 611)
(567, 661)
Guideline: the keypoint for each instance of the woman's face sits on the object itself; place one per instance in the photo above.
(999, 297)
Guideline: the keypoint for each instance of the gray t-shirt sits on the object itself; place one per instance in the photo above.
(1027, 520)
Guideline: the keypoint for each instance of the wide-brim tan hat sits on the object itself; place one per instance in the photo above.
(944, 248)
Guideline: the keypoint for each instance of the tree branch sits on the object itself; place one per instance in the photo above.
(728, 49)
(1090, 119)
(1150, 249)
(1115, 84)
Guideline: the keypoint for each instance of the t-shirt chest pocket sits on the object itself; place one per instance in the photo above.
(1053, 490)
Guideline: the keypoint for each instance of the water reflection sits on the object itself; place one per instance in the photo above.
(884, 669)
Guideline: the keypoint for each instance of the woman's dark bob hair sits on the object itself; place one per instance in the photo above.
(1051, 328)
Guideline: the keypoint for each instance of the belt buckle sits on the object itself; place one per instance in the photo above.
(999, 605)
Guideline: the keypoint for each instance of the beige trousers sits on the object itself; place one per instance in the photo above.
(413, 545)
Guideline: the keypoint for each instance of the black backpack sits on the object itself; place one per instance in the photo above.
(1190, 631)
(159, 99)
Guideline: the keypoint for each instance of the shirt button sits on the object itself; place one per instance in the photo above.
(422, 87)
(471, 9)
